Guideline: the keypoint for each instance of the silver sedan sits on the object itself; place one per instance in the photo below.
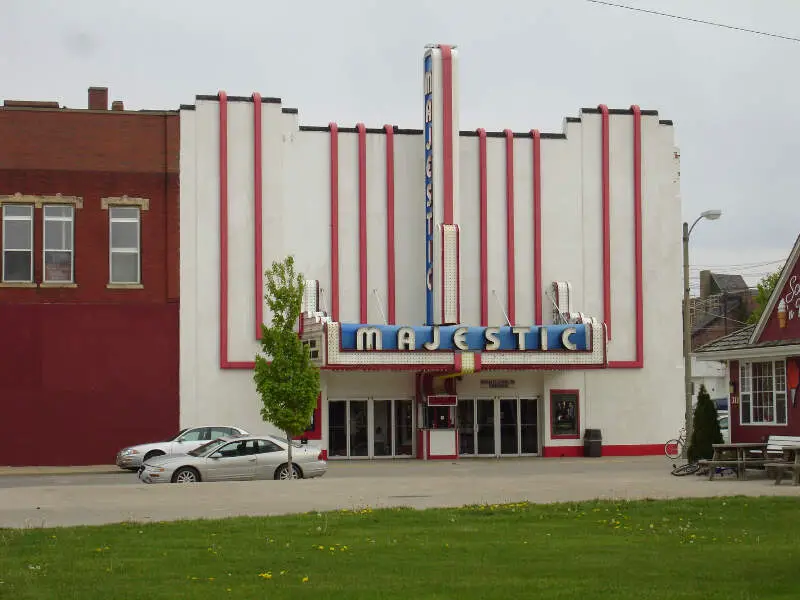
(237, 458)
(132, 457)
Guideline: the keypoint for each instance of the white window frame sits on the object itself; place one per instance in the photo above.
(746, 392)
(30, 250)
(137, 251)
(71, 221)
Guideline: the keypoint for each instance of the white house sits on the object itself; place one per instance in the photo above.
(469, 292)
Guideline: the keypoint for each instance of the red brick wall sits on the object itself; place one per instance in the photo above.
(85, 371)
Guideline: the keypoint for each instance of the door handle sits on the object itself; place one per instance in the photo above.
(251, 460)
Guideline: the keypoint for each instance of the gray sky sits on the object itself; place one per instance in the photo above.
(524, 64)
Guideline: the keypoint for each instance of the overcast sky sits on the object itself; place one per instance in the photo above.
(524, 64)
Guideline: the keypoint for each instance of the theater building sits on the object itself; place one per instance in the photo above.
(763, 364)
(89, 280)
(470, 293)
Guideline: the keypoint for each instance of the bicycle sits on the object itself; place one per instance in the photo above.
(676, 447)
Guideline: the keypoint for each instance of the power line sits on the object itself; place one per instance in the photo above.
(743, 265)
(700, 21)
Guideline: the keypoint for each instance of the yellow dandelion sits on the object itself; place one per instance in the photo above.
(304, 579)
(267, 575)
(211, 579)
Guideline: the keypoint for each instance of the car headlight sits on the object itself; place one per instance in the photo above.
(129, 451)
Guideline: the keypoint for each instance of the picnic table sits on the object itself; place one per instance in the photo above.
(789, 462)
(739, 457)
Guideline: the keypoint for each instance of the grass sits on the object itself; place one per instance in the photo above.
(727, 548)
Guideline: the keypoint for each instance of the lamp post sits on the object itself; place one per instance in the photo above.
(711, 215)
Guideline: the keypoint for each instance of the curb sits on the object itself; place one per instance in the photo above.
(77, 470)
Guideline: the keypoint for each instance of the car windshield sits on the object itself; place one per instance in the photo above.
(176, 436)
(207, 448)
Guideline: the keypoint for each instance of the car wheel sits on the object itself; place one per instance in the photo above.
(283, 472)
(186, 475)
(152, 454)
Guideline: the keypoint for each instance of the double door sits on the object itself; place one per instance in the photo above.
(498, 426)
(370, 428)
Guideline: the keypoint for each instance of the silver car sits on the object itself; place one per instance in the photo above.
(237, 458)
(132, 457)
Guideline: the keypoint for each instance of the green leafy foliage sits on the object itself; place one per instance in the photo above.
(289, 382)
(765, 288)
(705, 427)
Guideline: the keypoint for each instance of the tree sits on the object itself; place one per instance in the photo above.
(705, 429)
(288, 383)
(765, 288)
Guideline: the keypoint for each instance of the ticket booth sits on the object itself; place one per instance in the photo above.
(438, 434)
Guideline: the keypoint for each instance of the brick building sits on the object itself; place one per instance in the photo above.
(724, 305)
(89, 288)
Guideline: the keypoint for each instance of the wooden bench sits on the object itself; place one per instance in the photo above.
(776, 444)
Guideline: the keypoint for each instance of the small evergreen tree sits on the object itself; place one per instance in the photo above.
(288, 383)
(705, 427)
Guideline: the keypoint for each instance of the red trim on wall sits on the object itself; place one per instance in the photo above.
(606, 200)
(334, 221)
(224, 363)
(537, 227)
(223, 229)
(577, 435)
(484, 258)
(362, 221)
(316, 433)
(638, 363)
(390, 256)
(612, 450)
(477, 358)
(258, 187)
(447, 131)
(510, 274)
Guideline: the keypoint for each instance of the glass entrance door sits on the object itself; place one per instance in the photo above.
(529, 425)
(498, 426)
(370, 428)
(509, 426)
(485, 426)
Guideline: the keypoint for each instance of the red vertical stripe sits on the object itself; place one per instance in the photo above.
(484, 259)
(458, 274)
(258, 280)
(224, 363)
(447, 132)
(390, 257)
(510, 275)
(537, 226)
(362, 221)
(223, 229)
(638, 363)
(637, 218)
(606, 219)
(334, 222)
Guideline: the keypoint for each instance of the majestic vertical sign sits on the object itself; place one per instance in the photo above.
(442, 274)
(428, 97)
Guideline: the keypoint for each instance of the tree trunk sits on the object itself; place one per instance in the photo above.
(289, 451)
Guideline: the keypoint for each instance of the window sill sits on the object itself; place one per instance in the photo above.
(17, 284)
(124, 286)
(58, 284)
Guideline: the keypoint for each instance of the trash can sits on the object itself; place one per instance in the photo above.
(593, 443)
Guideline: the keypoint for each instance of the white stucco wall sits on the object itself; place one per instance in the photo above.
(632, 406)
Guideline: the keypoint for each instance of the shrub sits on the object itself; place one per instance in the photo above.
(705, 427)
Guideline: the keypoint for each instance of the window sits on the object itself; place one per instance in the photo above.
(58, 243)
(17, 243)
(124, 244)
(195, 435)
(763, 393)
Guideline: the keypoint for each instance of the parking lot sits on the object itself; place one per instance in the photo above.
(104, 495)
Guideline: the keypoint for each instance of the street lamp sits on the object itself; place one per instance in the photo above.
(711, 215)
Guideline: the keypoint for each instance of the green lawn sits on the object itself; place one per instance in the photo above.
(727, 548)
